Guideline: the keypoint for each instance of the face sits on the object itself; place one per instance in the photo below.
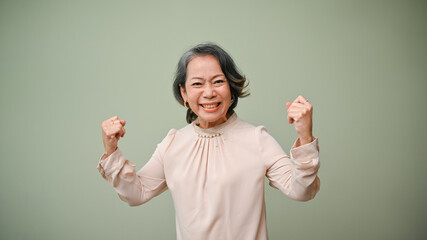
(207, 91)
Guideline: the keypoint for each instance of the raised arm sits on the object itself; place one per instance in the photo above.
(133, 187)
(296, 176)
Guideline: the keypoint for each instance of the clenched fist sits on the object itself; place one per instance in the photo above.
(300, 112)
(112, 131)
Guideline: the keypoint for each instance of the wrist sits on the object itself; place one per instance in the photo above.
(108, 152)
(305, 140)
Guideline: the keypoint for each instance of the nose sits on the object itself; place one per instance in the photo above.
(209, 91)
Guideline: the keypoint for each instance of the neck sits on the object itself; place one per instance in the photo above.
(205, 125)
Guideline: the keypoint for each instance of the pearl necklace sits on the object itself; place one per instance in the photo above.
(209, 136)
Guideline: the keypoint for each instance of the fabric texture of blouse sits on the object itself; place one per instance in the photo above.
(216, 178)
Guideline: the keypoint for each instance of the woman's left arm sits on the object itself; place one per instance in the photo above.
(295, 176)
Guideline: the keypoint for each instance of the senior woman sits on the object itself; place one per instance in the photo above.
(216, 165)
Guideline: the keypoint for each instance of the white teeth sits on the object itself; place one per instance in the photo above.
(210, 105)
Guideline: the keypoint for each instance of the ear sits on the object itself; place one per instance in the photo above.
(183, 93)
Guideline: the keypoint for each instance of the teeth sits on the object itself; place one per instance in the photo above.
(209, 105)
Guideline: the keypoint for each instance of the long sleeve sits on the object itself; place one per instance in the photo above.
(133, 187)
(295, 176)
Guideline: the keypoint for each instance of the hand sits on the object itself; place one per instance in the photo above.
(300, 112)
(112, 131)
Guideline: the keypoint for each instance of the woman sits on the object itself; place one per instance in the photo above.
(216, 165)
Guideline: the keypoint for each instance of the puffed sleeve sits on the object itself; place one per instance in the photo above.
(133, 187)
(295, 176)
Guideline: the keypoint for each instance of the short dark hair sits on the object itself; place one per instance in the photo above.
(236, 80)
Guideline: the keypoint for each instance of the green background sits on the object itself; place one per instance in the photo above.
(65, 66)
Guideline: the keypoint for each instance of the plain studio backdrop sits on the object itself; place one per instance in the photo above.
(65, 66)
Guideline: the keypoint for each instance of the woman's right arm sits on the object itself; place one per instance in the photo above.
(132, 187)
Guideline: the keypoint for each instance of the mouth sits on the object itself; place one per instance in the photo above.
(210, 107)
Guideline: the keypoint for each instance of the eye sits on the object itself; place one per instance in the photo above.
(196, 84)
(219, 81)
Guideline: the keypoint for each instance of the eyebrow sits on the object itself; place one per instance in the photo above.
(200, 78)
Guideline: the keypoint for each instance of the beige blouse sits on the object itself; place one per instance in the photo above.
(216, 178)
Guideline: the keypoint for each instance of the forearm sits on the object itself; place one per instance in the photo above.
(305, 184)
(304, 140)
(121, 174)
(296, 176)
(305, 160)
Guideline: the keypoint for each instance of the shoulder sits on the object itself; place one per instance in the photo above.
(167, 140)
(175, 135)
(244, 130)
(184, 131)
(173, 132)
(256, 134)
(242, 125)
(266, 144)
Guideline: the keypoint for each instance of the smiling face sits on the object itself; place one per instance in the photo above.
(207, 91)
